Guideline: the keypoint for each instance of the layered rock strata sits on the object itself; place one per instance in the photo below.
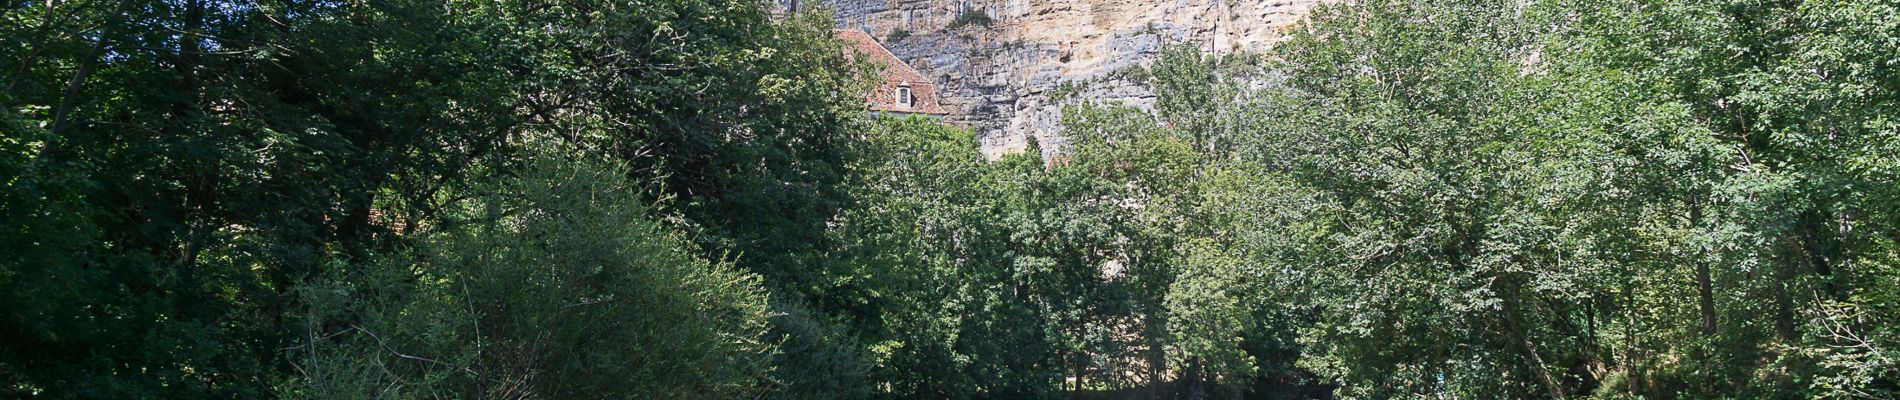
(1007, 67)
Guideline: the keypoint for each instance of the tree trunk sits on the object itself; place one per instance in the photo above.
(1157, 359)
(1630, 374)
(1784, 278)
(64, 109)
(1705, 286)
(1519, 334)
(1075, 367)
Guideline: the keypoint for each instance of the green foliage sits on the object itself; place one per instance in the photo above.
(79, 319)
(817, 358)
(1210, 312)
(1564, 195)
(681, 199)
(971, 16)
(919, 203)
(897, 36)
(186, 168)
(1105, 270)
(559, 287)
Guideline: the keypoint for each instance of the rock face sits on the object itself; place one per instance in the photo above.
(1007, 67)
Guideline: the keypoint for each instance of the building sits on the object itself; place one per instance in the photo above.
(900, 90)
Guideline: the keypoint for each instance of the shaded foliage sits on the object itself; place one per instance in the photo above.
(683, 199)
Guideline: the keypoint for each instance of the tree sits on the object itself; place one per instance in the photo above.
(557, 285)
(215, 158)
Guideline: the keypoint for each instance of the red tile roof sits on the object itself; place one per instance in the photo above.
(896, 73)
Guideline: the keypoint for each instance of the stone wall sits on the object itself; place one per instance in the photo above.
(1003, 79)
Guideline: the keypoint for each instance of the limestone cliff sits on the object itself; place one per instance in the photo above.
(1000, 63)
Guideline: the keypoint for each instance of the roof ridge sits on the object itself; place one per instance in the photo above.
(887, 51)
(895, 73)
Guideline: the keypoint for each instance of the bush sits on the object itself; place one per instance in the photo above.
(972, 17)
(818, 359)
(561, 288)
(897, 36)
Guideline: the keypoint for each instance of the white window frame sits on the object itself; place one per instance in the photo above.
(903, 97)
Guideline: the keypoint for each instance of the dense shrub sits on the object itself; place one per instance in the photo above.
(557, 286)
(974, 16)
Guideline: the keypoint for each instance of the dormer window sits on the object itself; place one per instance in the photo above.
(895, 90)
